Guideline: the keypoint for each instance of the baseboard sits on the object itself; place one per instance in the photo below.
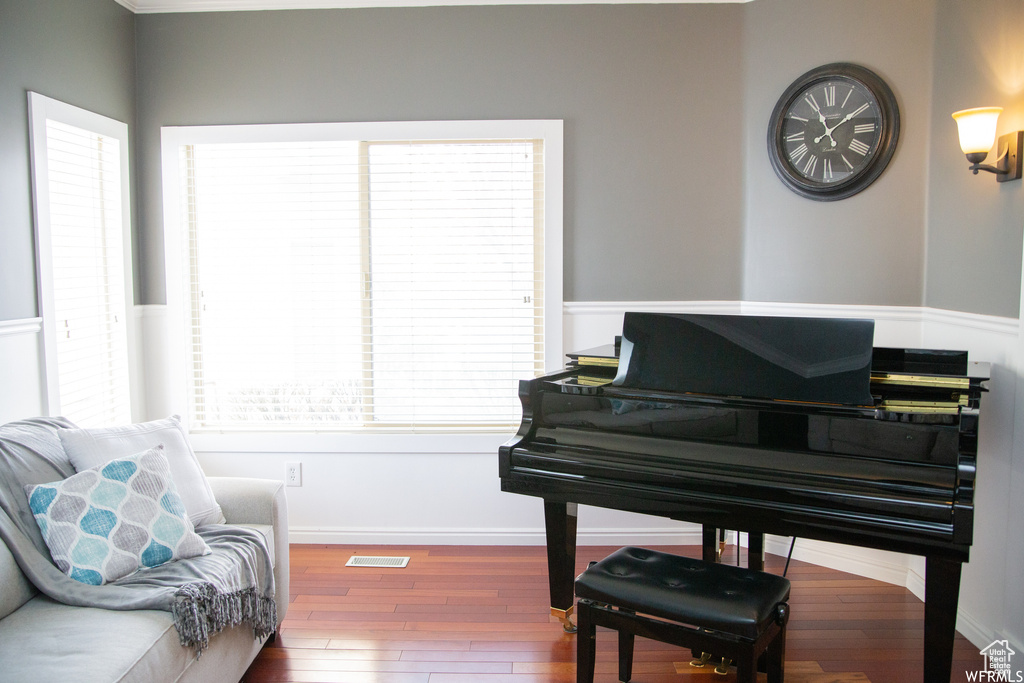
(878, 565)
(871, 564)
(975, 631)
(915, 583)
(982, 637)
(881, 566)
(448, 536)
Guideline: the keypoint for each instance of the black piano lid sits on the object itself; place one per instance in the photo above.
(812, 360)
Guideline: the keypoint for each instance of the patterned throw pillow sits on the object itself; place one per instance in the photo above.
(105, 522)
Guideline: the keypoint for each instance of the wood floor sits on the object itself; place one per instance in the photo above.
(461, 614)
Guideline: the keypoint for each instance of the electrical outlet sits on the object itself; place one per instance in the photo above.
(293, 474)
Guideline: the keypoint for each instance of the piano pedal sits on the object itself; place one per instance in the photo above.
(705, 657)
(723, 668)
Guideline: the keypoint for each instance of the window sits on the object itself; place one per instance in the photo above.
(83, 247)
(338, 277)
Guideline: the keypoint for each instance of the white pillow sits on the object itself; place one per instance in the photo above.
(87, 448)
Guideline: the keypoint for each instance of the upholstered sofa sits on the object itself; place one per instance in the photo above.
(44, 640)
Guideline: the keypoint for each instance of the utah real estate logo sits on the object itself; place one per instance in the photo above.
(998, 664)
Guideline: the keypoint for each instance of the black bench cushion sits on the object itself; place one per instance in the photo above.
(716, 596)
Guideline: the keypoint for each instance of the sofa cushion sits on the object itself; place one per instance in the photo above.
(47, 641)
(90, 447)
(105, 522)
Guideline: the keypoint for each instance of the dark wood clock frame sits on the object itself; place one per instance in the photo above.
(871, 164)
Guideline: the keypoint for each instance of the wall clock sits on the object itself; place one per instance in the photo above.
(833, 131)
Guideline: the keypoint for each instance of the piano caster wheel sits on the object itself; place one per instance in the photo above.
(705, 657)
(723, 668)
(563, 616)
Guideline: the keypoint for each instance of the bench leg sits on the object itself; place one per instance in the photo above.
(626, 640)
(746, 669)
(586, 636)
(776, 659)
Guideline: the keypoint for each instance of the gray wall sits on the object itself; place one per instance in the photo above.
(975, 224)
(974, 261)
(651, 97)
(669, 195)
(79, 51)
(866, 249)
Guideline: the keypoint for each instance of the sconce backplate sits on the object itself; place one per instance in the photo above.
(1010, 158)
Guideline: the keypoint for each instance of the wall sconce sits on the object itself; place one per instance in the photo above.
(977, 128)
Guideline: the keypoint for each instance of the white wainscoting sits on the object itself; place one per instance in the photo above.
(991, 580)
(21, 369)
(441, 489)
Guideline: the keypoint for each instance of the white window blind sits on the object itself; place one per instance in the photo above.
(80, 187)
(339, 283)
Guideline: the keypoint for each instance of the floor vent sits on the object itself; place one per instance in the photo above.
(371, 561)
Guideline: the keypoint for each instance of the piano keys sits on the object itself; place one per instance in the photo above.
(789, 426)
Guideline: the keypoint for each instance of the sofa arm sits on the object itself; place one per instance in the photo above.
(259, 501)
(250, 501)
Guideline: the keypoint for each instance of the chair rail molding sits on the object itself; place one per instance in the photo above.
(11, 328)
(163, 6)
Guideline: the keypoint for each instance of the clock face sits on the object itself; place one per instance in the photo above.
(833, 132)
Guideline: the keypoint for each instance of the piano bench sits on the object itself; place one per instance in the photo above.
(729, 611)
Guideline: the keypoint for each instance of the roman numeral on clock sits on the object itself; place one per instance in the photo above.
(864, 128)
(811, 164)
(846, 99)
(858, 147)
(797, 154)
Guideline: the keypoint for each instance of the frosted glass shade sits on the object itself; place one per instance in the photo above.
(977, 128)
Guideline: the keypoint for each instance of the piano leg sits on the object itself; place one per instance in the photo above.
(941, 595)
(755, 551)
(560, 528)
(712, 553)
(709, 542)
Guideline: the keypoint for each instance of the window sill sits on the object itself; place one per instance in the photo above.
(348, 442)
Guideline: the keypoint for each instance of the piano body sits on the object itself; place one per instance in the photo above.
(789, 426)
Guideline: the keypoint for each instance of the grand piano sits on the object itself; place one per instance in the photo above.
(791, 426)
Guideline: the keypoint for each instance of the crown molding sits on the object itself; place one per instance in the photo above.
(167, 6)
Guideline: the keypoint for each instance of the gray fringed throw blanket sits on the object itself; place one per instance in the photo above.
(232, 585)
